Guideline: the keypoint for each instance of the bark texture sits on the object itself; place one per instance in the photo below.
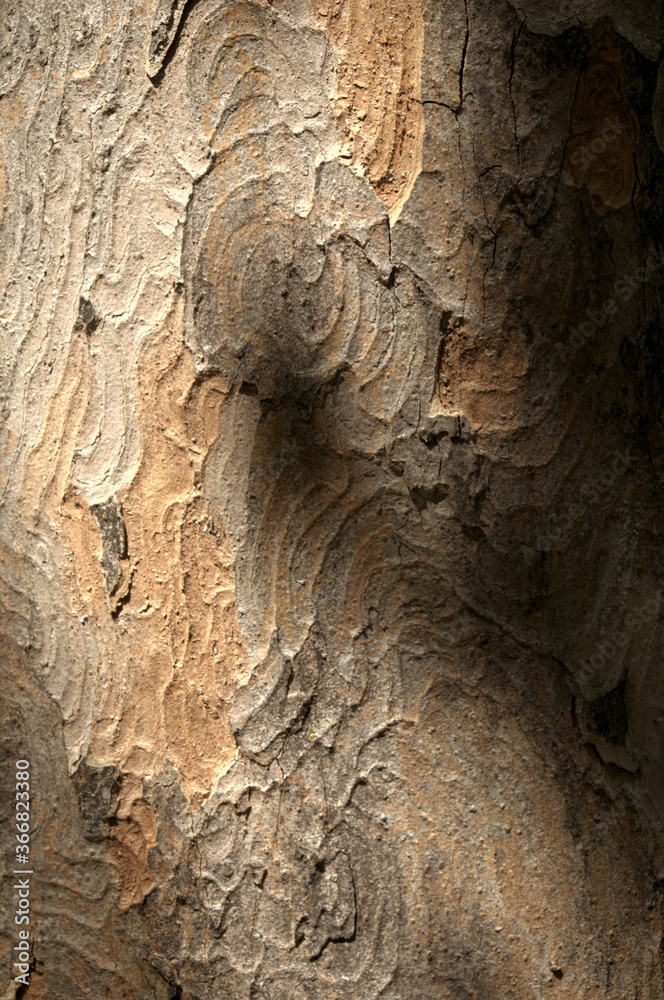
(332, 552)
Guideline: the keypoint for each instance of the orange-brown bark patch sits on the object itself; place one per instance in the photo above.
(378, 103)
(167, 641)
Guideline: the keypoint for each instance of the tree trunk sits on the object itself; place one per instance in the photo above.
(331, 459)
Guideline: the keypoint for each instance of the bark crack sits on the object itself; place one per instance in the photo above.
(515, 40)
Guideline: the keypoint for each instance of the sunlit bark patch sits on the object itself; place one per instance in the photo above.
(378, 104)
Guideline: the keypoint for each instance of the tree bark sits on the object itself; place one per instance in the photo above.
(331, 461)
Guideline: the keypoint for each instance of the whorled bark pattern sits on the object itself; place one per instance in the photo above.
(332, 451)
